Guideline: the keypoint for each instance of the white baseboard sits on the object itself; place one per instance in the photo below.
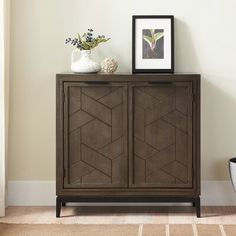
(218, 193)
(2, 208)
(31, 193)
(42, 193)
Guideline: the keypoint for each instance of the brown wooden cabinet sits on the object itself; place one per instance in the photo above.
(128, 138)
(95, 135)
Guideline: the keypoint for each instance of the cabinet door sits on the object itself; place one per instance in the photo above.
(95, 128)
(161, 135)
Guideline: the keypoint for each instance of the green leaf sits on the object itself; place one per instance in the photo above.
(158, 36)
(86, 45)
(102, 40)
(148, 39)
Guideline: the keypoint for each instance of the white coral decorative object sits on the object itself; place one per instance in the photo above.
(109, 65)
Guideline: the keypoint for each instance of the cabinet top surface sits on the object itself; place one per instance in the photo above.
(127, 77)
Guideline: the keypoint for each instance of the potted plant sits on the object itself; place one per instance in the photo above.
(232, 170)
(85, 44)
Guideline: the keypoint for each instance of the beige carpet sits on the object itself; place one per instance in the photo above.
(117, 230)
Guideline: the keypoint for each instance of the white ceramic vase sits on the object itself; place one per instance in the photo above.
(85, 64)
(232, 169)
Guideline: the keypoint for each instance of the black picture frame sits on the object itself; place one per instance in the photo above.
(154, 70)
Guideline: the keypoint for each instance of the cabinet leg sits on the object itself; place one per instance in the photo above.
(58, 207)
(63, 204)
(198, 207)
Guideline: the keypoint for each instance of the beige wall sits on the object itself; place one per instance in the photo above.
(205, 43)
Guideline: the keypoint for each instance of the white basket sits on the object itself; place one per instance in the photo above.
(232, 170)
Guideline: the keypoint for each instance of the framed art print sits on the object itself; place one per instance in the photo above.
(153, 44)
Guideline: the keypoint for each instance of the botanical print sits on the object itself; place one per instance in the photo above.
(153, 43)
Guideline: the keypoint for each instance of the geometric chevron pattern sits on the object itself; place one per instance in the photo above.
(96, 136)
(162, 135)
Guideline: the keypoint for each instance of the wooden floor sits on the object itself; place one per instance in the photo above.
(121, 215)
